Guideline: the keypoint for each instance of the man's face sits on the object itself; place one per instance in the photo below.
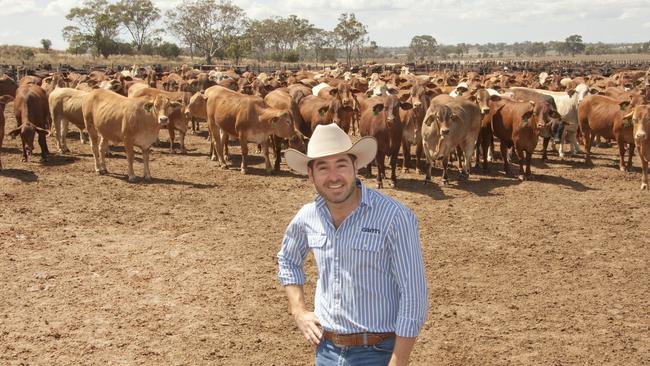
(334, 177)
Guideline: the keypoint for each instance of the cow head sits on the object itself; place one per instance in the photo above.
(27, 131)
(388, 107)
(161, 107)
(641, 119)
(482, 98)
(197, 102)
(280, 121)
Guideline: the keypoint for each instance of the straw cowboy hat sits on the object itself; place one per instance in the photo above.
(328, 140)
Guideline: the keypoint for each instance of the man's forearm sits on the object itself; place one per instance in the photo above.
(296, 296)
(402, 351)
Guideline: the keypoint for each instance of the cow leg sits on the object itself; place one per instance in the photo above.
(418, 157)
(485, 149)
(83, 136)
(588, 139)
(94, 145)
(445, 164)
(521, 158)
(182, 142)
(172, 137)
(468, 152)
(103, 147)
(393, 168)
(277, 152)
(267, 159)
(128, 147)
(644, 169)
(630, 155)
(621, 154)
(244, 152)
(145, 161)
(529, 158)
(490, 155)
(380, 170)
(545, 142)
(42, 142)
(575, 149)
(406, 155)
(195, 126)
(504, 154)
(369, 170)
(459, 159)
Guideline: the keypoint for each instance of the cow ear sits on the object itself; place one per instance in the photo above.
(554, 114)
(431, 85)
(377, 108)
(334, 92)
(175, 105)
(431, 93)
(406, 106)
(15, 132)
(322, 111)
(472, 98)
(393, 91)
(571, 92)
(404, 97)
(495, 98)
(624, 104)
(6, 99)
(147, 107)
(628, 116)
(526, 117)
(594, 91)
(354, 90)
(369, 93)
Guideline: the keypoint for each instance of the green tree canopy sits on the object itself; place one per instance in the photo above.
(138, 17)
(96, 26)
(349, 32)
(423, 46)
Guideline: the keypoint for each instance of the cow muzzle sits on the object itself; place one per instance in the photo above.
(640, 136)
(163, 121)
(485, 110)
(444, 131)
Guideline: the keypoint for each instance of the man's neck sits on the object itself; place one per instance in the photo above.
(340, 211)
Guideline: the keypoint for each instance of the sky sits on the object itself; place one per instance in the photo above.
(392, 22)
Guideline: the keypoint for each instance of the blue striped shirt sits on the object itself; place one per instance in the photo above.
(370, 270)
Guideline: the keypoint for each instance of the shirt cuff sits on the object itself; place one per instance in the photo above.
(289, 277)
(406, 327)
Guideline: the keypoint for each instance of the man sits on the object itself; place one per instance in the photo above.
(371, 295)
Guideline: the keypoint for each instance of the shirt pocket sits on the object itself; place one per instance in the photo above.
(316, 240)
(369, 243)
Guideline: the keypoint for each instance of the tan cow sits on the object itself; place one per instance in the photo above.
(448, 124)
(65, 106)
(177, 119)
(605, 116)
(134, 122)
(641, 120)
(246, 117)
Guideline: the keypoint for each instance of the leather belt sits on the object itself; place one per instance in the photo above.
(356, 339)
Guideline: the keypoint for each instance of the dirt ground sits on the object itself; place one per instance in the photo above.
(182, 271)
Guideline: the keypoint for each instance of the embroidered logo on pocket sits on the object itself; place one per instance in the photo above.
(369, 230)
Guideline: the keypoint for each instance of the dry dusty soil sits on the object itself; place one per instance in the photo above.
(182, 271)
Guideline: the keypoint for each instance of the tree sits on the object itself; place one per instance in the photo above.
(168, 50)
(573, 44)
(96, 27)
(46, 44)
(321, 41)
(207, 25)
(423, 46)
(461, 49)
(349, 31)
(535, 49)
(138, 17)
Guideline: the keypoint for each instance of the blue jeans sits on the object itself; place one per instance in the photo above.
(327, 354)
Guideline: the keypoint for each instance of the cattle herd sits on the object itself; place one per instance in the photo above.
(445, 116)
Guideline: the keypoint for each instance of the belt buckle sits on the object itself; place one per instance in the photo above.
(336, 339)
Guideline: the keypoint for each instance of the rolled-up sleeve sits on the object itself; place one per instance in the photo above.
(408, 269)
(292, 254)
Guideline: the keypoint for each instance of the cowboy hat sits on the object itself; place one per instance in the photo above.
(328, 140)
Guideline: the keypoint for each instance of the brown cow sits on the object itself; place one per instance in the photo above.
(380, 118)
(177, 118)
(247, 117)
(641, 120)
(448, 124)
(516, 125)
(65, 106)
(605, 116)
(134, 122)
(7, 86)
(3, 101)
(32, 115)
(419, 95)
(282, 100)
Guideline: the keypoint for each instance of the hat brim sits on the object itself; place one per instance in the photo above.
(365, 150)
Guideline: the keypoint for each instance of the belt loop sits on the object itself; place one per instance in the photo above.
(365, 338)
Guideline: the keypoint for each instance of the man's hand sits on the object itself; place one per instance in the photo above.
(309, 326)
(402, 351)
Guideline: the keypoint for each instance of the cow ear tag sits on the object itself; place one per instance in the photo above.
(622, 107)
(147, 107)
(525, 121)
(375, 112)
(321, 113)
